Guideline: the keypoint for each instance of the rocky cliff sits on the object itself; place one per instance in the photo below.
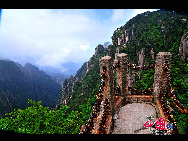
(183, 49)
(72, 84)
(99, 50)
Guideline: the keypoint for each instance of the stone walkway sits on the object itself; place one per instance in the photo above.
(131, 118)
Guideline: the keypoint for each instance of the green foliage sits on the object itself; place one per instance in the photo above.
(179, 77)
(40, 120)
(162, 31)
(148, 33)
(158, 30)
(146, 79)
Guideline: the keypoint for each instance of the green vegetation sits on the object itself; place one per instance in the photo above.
(39, 120)
(179, 81)
(146, 81)
(160, 30)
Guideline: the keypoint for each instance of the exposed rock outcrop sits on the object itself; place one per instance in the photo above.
(99, 50)
(183, 49)
(141, 60)
(123, 39)
(152, 54)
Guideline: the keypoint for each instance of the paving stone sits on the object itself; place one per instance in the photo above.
(131, 118)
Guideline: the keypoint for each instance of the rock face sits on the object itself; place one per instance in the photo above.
(98, 51)
(70, 84)
(152, 54)
(141, 61)
(123, 39)
(183, 49)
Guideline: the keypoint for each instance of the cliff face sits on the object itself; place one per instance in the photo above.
(155, 31)
(72, 84)
(141, 59)
(99, 50)
(183, 49)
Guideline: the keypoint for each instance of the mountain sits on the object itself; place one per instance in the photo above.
(76, 90)
(66, 70)
(157, 31)
(142, 38)
(18, 84)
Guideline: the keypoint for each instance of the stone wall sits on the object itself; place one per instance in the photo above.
(106, 62)
(159, 85)
(140, 98)
(122, 74)
(122, 80)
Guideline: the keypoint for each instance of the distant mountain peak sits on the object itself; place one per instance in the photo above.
(31, 67)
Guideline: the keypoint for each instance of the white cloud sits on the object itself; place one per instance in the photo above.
(117, 14)
(51, 37)
(84, 47)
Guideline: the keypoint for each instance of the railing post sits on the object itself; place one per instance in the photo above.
(122, 74)
(106, 62)
(159, 85)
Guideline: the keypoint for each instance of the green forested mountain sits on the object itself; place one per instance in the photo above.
(18, 84)
(160, 30)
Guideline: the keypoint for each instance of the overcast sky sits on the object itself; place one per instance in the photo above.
(52, 37)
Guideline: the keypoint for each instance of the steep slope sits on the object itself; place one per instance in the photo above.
(13, 84)
(44, 87)
(18, 84)
(82, 88)
(156, 32)
(160, 30)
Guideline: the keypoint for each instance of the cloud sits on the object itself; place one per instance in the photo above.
(52, 37)
(117, 14)
(126, 14)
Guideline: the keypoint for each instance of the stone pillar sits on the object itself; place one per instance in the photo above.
(152, 54)
(119, 41)
(141, 59)
(159, 85)
(122, 74)
(106, 62)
